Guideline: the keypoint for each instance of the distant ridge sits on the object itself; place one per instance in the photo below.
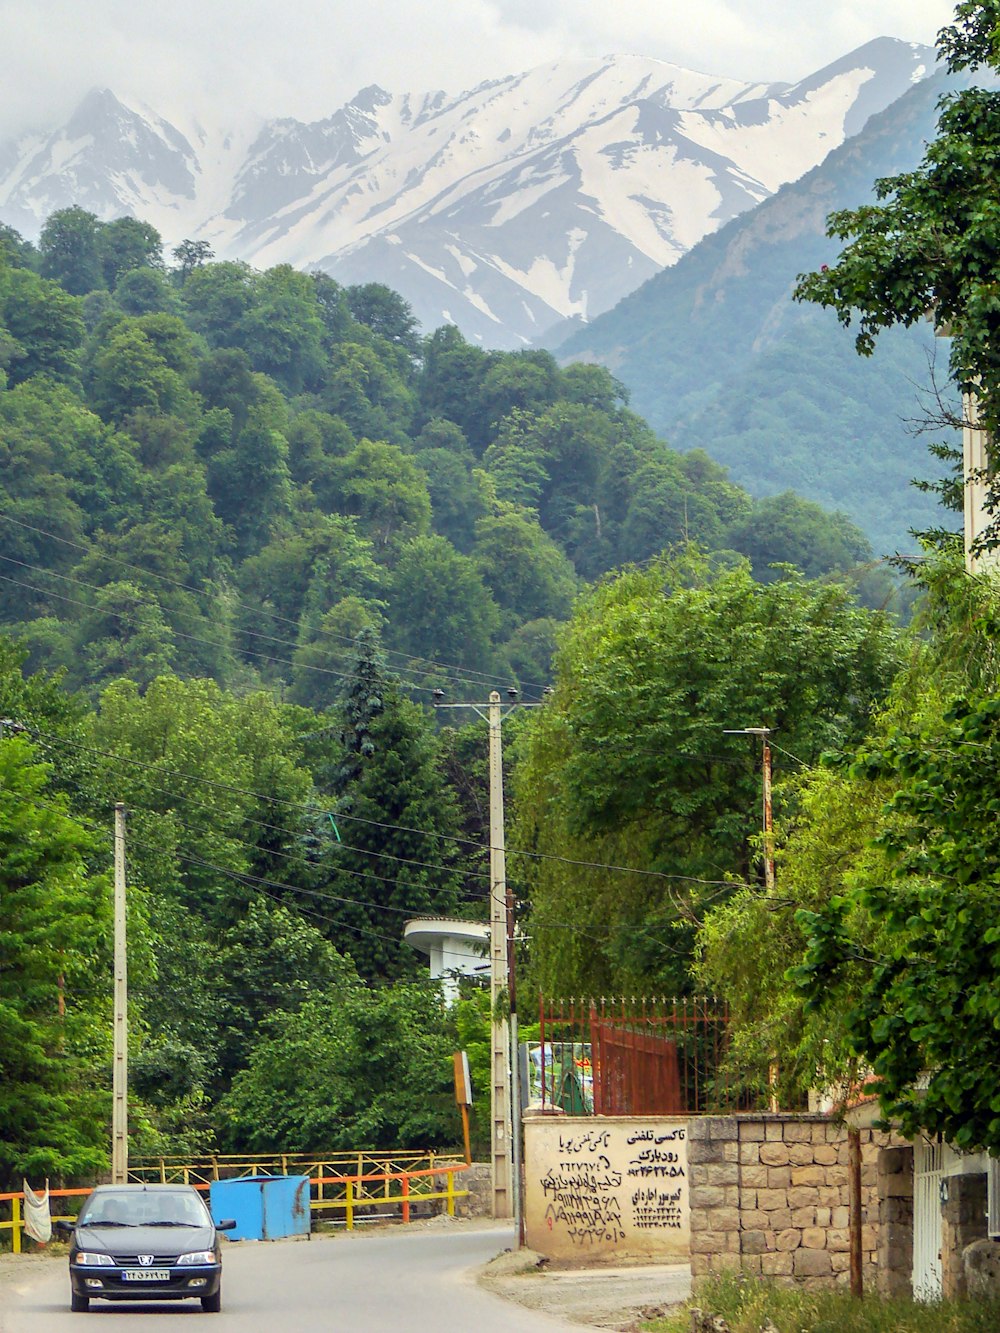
(717, 355)
(505, 209)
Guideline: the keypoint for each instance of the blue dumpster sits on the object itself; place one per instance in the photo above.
(264, 1207)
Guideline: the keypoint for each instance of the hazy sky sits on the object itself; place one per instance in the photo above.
(305, 58)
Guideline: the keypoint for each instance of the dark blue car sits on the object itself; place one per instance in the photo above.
(145, 1243)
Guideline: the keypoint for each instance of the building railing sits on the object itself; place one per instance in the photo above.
(370, 1182)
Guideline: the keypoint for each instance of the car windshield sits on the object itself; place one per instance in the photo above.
(145, 1209)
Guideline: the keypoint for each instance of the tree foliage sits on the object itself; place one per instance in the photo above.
(630, 763)
(930, 246)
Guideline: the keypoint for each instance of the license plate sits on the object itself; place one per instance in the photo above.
(145, 1274)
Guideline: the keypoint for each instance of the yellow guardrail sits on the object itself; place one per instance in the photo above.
(220, 1166)
(372, 1181)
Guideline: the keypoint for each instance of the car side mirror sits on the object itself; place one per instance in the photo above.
(227, 1224)
(63, 1227)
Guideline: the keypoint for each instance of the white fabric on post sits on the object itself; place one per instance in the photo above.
(37, 1217)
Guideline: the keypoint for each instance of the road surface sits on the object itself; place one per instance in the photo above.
(419, 1279)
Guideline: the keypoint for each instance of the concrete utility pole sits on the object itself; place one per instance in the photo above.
(119, 1114)
(766, 823)
(505, 1095)
(504, 1060)
(768, 831)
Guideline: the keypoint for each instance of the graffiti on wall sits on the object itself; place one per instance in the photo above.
(617, 1186)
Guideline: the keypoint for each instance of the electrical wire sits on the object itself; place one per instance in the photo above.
(375, 823)
(194, 638)
(248, 877)
(465, 675)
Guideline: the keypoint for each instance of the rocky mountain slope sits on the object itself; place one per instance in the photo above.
(529, 200)
(717, 355)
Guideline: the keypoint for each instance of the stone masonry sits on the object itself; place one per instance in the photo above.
(770, 1195)
(895, 1232)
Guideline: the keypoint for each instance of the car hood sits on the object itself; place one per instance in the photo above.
(163, 1241)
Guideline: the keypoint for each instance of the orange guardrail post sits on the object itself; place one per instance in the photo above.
(406, 1198)
(15, 1217)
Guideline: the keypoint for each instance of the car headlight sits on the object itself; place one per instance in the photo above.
(197, 1257)
(94, 1259)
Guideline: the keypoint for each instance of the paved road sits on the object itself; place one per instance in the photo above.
(420, 1280)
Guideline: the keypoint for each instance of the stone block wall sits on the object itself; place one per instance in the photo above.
(770, 1195)
(894, 1173)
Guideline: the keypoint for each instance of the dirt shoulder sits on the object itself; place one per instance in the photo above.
(615, 1298)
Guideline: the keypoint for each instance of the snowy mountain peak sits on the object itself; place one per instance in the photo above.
(507, 208)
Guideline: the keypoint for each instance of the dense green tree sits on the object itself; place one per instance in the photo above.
(924, 1017)
(629, 762)
(70, 251)
(302, 575)
(317, 663)
(368, 393)
(282, 332)
(337, 1074)
(250, 485)
(145, 291)
(124, 634)
(55, 1066)
(392, 801)
(125, 245)
(274, 959)
(439, 607)
(15, 251)
(384, 489)
(522, 566)
(526, 381)
(44, 324)
(451, 384)
(785, 529)
(129, 374)
(334, 312)
(385, 312)
(217, 297)
(457, 500)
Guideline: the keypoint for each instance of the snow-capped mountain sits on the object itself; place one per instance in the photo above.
(529, 200)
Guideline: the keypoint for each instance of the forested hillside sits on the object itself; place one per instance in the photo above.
(717, 355)
(249, 522)
(227, 473)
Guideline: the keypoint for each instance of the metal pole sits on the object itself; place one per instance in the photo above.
(499, 977)
(515, 1071)
(768, 826)
(854, 1216)
(119, 1114)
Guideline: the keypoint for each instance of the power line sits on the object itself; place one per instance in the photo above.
(249, 878)
(375, 823)
(465, 675)
(340, 846)
(194, 638)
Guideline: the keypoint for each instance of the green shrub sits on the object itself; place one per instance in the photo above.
(747, 1303)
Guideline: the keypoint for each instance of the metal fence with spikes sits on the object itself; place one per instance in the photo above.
(633, 1056)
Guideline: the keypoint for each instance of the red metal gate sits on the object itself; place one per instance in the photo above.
(632, 1057)
(636, 1073)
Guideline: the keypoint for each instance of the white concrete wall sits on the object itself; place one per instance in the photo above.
(607, 1189)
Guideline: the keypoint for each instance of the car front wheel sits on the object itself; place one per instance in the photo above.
(212, 1304)
(79, 1304)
